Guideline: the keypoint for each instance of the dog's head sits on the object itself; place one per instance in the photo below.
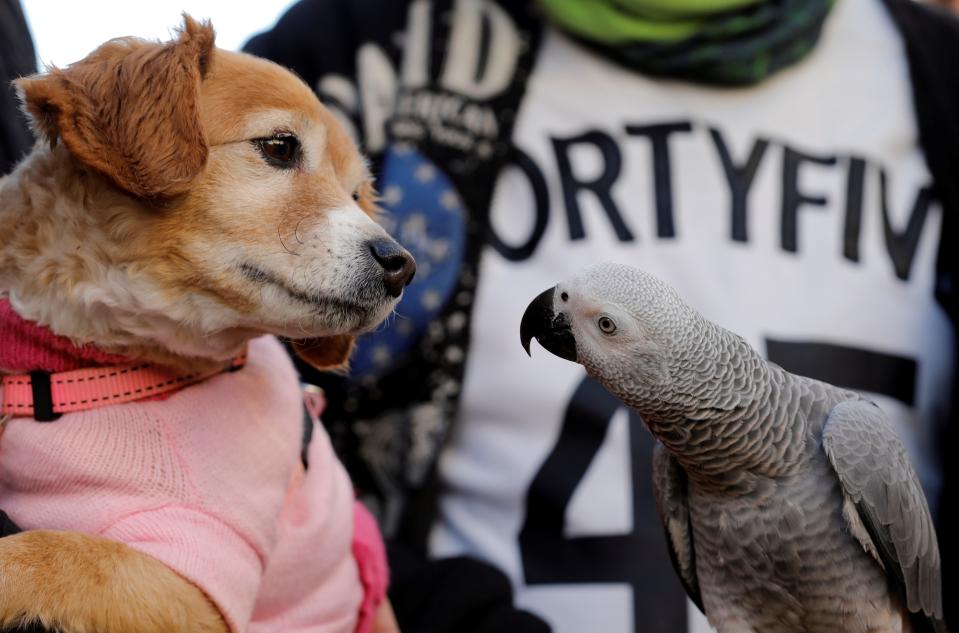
(236, 202)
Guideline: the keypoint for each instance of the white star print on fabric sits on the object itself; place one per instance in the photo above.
(382, 355)
(425, 173)
(431, 300)
(449, 200)
(392, 195)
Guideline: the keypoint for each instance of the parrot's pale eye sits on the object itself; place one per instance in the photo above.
(606, 325)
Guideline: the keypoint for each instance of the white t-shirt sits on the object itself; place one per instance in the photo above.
(794, 213)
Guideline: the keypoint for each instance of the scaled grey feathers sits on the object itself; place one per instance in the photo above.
(789, 504)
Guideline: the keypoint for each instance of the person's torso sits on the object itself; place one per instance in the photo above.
(797, 214)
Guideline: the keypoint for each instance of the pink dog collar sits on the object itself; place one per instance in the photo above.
(44, 395)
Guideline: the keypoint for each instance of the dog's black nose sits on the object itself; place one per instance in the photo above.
(398, 265)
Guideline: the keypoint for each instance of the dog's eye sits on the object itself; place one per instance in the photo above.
(356, 195)
(280, 150)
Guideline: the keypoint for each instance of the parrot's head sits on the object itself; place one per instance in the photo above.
(623, 325)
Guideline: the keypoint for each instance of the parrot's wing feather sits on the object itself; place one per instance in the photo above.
(878, 478)
(669, 483)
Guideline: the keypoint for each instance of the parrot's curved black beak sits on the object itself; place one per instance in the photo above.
(550, 329)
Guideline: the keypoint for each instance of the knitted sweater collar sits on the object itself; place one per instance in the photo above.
(26, 346)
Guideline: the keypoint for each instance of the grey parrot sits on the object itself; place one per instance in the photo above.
(789, 504)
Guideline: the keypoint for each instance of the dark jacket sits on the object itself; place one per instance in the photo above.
(324, 42)
(320, 39)
(17, 58)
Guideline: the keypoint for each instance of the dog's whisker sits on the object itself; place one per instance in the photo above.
(285, 248)
(296, 229)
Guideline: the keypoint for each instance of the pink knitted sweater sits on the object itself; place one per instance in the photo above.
(207, 480)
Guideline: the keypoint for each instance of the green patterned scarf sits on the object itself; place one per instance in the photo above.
(722, 42)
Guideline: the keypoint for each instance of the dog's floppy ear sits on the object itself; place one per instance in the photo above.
(129, 110)
(329, 353)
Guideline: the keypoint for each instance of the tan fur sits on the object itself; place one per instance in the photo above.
(105, 108)
(332, 352)
(131, 237)
(87, 584)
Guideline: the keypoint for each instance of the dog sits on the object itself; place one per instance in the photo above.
(183, 206)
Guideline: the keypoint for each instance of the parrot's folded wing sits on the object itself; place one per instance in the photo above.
(877, 476)
(669, 483)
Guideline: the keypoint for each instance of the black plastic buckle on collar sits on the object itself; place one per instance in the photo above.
(42, 397)
(7, 527)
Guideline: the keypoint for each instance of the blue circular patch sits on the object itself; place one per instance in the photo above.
(424, 213)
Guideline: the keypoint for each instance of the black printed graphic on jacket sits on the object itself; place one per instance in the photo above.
(437, 115)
